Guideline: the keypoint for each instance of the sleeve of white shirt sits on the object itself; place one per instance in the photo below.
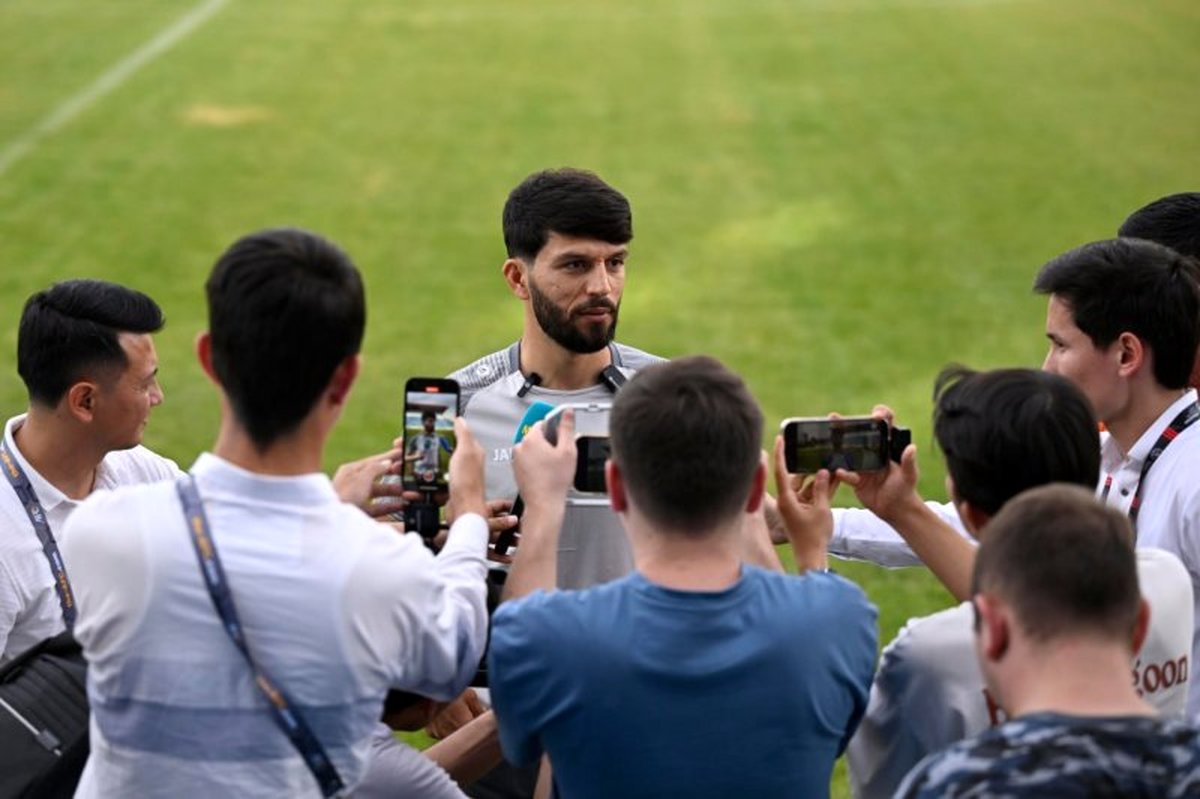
(927, 694)
(424, 618)
(858, 534)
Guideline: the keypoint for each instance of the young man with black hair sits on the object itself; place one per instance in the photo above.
(567, 235)
(1001, 432)
(1054, 635)
(335, 608)
(697, 675)
(1124, 322)
(86, 356)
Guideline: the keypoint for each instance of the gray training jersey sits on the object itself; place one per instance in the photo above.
(592, 548)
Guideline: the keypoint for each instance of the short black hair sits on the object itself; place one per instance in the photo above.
(1065, 562)
(1136, 286)
(428, 414)
(1172, 221)
(571, 202)
(285, 308)
(1008, 430)
(72, 327)
(687, 437)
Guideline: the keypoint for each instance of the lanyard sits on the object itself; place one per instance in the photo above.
(1182, 421)
(37, 517)
(288, 719)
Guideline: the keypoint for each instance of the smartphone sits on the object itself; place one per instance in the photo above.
(430, 406)
(856, 444)
(591, 443)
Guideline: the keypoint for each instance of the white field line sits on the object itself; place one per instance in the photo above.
(110, 80)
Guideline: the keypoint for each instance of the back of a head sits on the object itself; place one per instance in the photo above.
(1008, 430)
(1172, 221)
(1136, 286)
(72, 327)
(687, 437)
(572, 202)
(285, 308)
(1083, 580)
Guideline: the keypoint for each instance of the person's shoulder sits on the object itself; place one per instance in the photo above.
(817, 588)
(485, 372)
(930, 643)
(137, 465)
(632, 359)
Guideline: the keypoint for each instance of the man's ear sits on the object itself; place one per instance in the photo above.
(204, 355)
(1141, 625)
(616, 487)
(1132, 354)
(516, 275)
(993, 626)
(757, 486)
(343, 379)
(972, 517)
(80, 400)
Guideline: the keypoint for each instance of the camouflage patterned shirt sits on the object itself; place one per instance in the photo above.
(1053, 755)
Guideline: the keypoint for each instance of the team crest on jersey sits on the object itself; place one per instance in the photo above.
(483, 370)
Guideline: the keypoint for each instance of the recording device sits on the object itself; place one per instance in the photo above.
(533, 414)
(591, 443)
(430, 406)
(855, 443)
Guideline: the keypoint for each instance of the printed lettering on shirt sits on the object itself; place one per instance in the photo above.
(502, 455)
(1155, 677)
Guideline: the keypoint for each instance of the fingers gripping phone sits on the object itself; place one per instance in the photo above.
(855, 443)
(430, 406)
(591, 443)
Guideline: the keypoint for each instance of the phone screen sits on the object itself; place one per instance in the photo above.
(855, 444)
(592, 454)
(430, 405)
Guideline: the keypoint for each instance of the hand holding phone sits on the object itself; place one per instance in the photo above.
(855, 444)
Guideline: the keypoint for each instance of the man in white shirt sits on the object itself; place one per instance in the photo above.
(334, 607)
(86, 356)
(1002, 432)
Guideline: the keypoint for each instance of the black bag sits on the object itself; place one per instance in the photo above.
(43, 720)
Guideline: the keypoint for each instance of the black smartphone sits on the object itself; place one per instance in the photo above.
(430, 406)
(856, 444)
(591, 443)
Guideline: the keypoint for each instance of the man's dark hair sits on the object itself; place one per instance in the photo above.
(1064, 561)
(428, 415)
(72, 327)
(285, 308)
(1008, 430)
(1173, 221)
(687, 436)
(1131, 285)
(571, 202)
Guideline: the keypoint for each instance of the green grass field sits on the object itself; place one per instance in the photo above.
(836, 198)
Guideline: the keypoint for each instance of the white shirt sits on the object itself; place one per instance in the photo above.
(929, 691)
(29, 607)
(1169, 517)
(336, 607)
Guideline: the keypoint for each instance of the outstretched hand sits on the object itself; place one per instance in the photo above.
(359, 482)
(544, 473)
(889, 491)
(466, 474)
(804, 505)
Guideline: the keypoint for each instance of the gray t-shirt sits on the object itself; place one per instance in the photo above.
(592, 548)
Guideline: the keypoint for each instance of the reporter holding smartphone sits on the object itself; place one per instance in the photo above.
(243, 624)
(696, 675)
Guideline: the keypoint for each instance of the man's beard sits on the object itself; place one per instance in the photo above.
(559, 326)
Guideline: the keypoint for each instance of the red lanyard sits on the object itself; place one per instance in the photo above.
(1182, 421)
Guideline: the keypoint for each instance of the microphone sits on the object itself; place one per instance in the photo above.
(533, 414)
(534, 379)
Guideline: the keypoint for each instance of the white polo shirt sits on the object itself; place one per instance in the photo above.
(336, 607)
(29, 607)
(929, 691)
(1169, 517)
